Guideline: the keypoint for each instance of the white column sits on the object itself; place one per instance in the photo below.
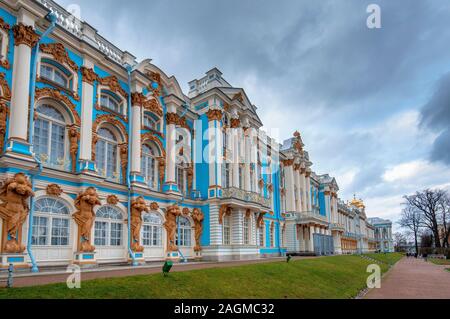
(290, 197)
(308, 191)
(136, 140)
(301, 238)
(20, 91)
(215, 227)
(253, 228)
(215, 151)
(235, 144)
(311, 239)
(247, 155)
(298, 202)
(87, 105)
(304, 205)
(170, 144)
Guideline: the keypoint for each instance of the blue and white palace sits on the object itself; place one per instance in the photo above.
(81, 120)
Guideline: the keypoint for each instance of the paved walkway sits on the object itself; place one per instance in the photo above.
(50, 277)
(413, 278)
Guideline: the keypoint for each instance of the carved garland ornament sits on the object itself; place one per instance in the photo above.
(6, 92)
(54, 190)
(175, 119)
(113, 83)
(5, 26)
(57, 95)
(59, 53)
(152, 105)
(14, 209)
(161, 170)
(24, 34)
(235, 123)
(4, 111)
(88, 75)
(260, 220)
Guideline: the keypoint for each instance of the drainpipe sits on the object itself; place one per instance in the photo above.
(51, 17)
(130, 132)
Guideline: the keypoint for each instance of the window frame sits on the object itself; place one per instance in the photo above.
(49, 217)
(108, 221)
(56, 69)
(108, 143)
(152, 226)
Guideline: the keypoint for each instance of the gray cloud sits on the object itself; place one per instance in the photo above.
(316, 63)
(435, 115)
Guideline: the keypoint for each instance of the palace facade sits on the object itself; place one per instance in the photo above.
(105, 159)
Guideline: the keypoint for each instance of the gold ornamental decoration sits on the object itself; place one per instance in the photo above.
(84, 217)
(57, 95)
(137, 99)
(59, 53)
(260, 220)
(214, 115)
(24, 34)
(172, 118)
(198, 217)
(170, 225)
(6, 92)
(54, 190)
(288, 162)
(5, 26)
(4, 111)
(154, 206)
(190, 176)
(235, 123)
(112, 200)
(152, 105)
(113, 83)
(161, 170)
(224, 210)
(14, 209)
(186, 211)
(74, 138)
(123, 154)
(88, 75)
(137, 207)
(261, 183)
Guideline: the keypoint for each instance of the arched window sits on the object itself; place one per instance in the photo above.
(54, 74)
(151, 121)
(152, 230)
(226, 230)
(106, 154)
(111, 102)
(108, 227)
(184, 238)
(246, 230)
(49, 135)
(148, 166)
(51, 223)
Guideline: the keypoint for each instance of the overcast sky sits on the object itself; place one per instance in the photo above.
(373, 105)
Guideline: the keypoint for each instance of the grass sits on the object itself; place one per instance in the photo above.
(389, 258)
(327, 277)
(438, 261)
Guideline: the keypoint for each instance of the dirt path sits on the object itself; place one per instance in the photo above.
(413, 278)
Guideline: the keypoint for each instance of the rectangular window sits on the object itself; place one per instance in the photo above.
(226, 227)
(60, 232)
(246, 230)
(116, 234)
(40, 231)
(101, 233)
(261, 236)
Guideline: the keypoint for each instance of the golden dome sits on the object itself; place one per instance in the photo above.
(357, 203)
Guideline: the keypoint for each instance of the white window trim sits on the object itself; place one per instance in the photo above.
(74, 76)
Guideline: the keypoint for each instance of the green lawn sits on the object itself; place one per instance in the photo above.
(439, 261)
(389, 258)
(327, 277)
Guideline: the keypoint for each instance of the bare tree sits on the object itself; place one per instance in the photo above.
(412, 219)
(445, 220)
(428, 204)
(399, 241)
